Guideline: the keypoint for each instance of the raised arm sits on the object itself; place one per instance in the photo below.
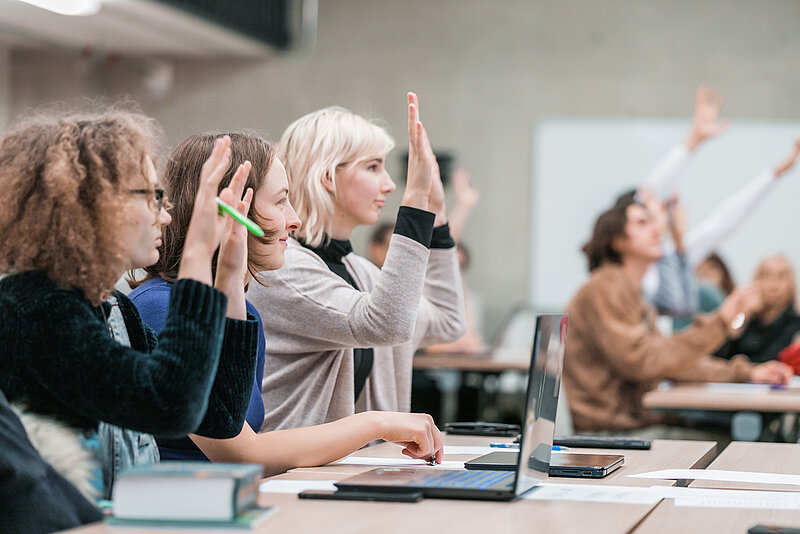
(663, 179)
(639, 353)
(467, 197)
(703, 239)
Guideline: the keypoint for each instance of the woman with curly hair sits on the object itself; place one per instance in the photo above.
(286, 449)
(82, 205)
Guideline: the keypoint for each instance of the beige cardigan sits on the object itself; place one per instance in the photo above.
(313, 320)
(615, 353)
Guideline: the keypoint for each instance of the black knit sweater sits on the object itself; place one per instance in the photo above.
(58, 358)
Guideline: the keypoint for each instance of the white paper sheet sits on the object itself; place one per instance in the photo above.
(730, 498)
(394, 462)
(719, 474)
(296, 486)
(456, 449)
(595, 493)
(737, 388)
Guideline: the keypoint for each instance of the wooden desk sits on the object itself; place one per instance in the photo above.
(698, 397)
(739, 456)
(464, 517)
(498, 360)
(664, 454)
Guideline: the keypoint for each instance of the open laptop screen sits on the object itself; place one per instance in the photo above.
(544, 381)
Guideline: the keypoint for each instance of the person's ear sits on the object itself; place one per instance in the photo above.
(327, 183)
(618, 244)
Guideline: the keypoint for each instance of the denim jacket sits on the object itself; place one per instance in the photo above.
(121, 448)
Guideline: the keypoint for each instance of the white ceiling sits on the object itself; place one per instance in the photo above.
(130, 27)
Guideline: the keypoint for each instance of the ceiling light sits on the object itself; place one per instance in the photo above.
(78, 8)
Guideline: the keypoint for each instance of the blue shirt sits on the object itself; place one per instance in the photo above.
(152, 300)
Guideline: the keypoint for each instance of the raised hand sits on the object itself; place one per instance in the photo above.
(790, 161)
(467, 195)
(744, 299)
(420, 160)
(206, 226)
(232, 258)
(705, 118)
(676, 218)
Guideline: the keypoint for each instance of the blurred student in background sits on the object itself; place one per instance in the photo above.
(670, 283)
(775, 323)
(615, 353)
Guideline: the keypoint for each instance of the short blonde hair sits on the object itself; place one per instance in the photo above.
(312, 147)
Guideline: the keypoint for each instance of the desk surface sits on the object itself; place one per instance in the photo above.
(438, 515)
(700, 397)
(497, 360)
(738, 456)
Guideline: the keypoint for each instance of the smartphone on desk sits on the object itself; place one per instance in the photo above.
(482, 429)
(381, 496)
(602, 442)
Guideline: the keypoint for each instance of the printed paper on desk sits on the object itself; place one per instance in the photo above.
(725, 498)
(296, 486)
(394, 462)
(722, 475)
(595, 493)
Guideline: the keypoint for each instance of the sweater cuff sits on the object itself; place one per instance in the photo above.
(197, 301)
(233, 384)
(415, 224)
(441, 237)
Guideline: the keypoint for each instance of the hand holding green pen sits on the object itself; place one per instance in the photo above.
(252, 227)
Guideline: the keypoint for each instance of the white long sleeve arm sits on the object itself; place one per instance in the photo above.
(663, 179)
(704, 238)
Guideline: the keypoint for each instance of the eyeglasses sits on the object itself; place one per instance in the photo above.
(158, 195)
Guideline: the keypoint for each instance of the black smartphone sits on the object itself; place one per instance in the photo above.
(772, 529)
(482, 429)
(383, 496)
(602, 442)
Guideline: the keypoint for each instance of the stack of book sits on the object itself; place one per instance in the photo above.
(189, 494)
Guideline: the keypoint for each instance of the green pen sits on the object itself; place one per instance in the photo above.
(250, 225)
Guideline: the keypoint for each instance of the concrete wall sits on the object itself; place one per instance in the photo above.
(485, 72)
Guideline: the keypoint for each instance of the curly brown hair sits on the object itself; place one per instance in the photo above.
(64, 176)
(181, 182)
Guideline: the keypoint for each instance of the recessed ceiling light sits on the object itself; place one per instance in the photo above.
(78, 8)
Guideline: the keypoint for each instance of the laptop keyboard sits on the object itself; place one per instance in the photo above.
(476, 479)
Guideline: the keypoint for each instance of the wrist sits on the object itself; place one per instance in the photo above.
(374, 425)
(415, 199)
(692, 142)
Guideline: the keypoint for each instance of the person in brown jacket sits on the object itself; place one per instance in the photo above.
(615, 353)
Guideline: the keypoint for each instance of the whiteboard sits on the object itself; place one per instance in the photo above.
(580, 166)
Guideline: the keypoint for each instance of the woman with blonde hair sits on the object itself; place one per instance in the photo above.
(776, 323)
(342, 333)
(83, 205)
(267, 187)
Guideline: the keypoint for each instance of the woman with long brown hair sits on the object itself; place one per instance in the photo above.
(268, 188)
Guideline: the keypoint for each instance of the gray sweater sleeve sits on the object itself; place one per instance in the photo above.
(441, 313)
(306, 307)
